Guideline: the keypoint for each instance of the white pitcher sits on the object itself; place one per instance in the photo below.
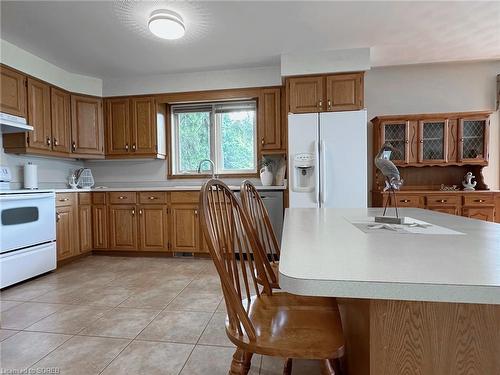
(266, 176)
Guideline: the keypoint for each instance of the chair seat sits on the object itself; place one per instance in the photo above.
(292, 326)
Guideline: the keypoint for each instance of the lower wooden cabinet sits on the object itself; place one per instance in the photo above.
(100, 226)
(153, 227)
(185, 228)
(122, 227)
(66, 232)
(480, 213)
(85, 226)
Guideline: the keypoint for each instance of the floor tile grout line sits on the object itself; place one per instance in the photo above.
(65, 341)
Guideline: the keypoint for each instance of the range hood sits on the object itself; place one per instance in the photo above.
(13, 124)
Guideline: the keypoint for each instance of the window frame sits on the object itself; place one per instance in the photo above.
(215, 134)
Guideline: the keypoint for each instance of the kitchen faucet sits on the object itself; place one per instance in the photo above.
(212, 166)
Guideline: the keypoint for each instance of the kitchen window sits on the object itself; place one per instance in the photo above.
(224, 132)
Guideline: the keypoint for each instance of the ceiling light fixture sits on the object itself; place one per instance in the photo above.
(166, 24)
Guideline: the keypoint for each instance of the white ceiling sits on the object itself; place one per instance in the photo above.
(110, 38)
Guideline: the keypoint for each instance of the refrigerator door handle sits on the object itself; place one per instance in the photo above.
(322, 152)
(316, 173)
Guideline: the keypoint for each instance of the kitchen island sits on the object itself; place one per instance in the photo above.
(411, 303)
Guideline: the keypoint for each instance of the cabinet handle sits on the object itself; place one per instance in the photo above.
(58, 217)
(48, 141)
(405, 201)
(126, 146)
(480, 200)
(133, 147)
(407, 141)
(133, 211)
(54, 141)
(63, 199)
(140, 212)
(262, 141)
(421, 141)
(122, 197)
(152, 198)
(73, 146)
(461, 140)
(320, 104)
(442, 200)
(196, 212)
(329, 104)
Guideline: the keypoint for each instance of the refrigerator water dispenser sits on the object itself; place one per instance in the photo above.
(303, 172)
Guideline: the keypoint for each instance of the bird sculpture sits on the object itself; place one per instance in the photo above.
(393, 180)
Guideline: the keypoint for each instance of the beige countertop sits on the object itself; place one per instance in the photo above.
(158, 188)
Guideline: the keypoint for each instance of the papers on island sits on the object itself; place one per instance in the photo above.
(411, 226)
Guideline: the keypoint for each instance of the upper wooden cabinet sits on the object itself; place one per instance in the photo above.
(132, 128)
(434, 139)
(87, 132)
(61, 120)
(270, 122)
(39, 115)
(12, 92)
(334, 92)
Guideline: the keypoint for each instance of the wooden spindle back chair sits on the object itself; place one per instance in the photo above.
(259, 218)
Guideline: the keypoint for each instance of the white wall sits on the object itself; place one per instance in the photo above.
(52, 172)
(26, 62)
(444, 87)
(182, 82)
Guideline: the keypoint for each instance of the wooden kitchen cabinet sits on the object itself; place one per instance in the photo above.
(401, 134)
(117, 126)
(100, 226)
(123, 227)
(480, 213)
(39, 115)
(67, 232)
(332, 92)
(143, 126)
(270, 131)
(344, 92)
(433, 141)
(185, 228)
(87, 129)
(85, 222)
(153, 227)
(473, 136)
(60, 120)
(12, 92)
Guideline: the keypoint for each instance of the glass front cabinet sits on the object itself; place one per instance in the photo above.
(446, 139)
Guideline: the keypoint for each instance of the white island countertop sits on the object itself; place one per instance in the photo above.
(324, 254)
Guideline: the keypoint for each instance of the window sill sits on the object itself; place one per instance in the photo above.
(207, 176)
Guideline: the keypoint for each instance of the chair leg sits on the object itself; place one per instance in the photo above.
(287, 369)
(241, 362)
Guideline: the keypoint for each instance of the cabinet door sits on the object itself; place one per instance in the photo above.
(87, 125)
(85, 226)
(480, 213)
(153, 228)
(433, 141)
(473, 136)
(344, 92)
(185, 228)
(61, 120)
(305, 94)
(100, 227)
(65, 232)
(122, 227)
(397, 133)
(117, 126)
(12, 92)
(39, 114)
(270, 123)
(143, 126)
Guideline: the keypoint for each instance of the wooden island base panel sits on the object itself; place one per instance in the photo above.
(388, 337)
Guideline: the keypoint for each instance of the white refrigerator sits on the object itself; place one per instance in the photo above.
(328, 159)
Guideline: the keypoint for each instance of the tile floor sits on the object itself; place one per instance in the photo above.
(117, 315)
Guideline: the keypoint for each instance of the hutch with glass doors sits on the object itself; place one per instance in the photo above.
(433, 153)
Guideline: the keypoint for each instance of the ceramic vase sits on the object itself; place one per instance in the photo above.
(266, 176)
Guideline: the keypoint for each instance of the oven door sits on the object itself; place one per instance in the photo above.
(26, 220)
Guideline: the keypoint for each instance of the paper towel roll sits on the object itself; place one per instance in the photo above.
(30, 176)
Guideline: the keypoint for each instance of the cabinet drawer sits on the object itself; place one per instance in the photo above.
(406, 200)
(442, 200)
(152, 197)
(185, 197)
(65, 199)
(99, 198)
(122, 197)
(479, 200)
(84, 198)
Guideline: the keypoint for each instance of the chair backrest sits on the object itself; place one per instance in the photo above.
(235, 251)
(259, 218)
